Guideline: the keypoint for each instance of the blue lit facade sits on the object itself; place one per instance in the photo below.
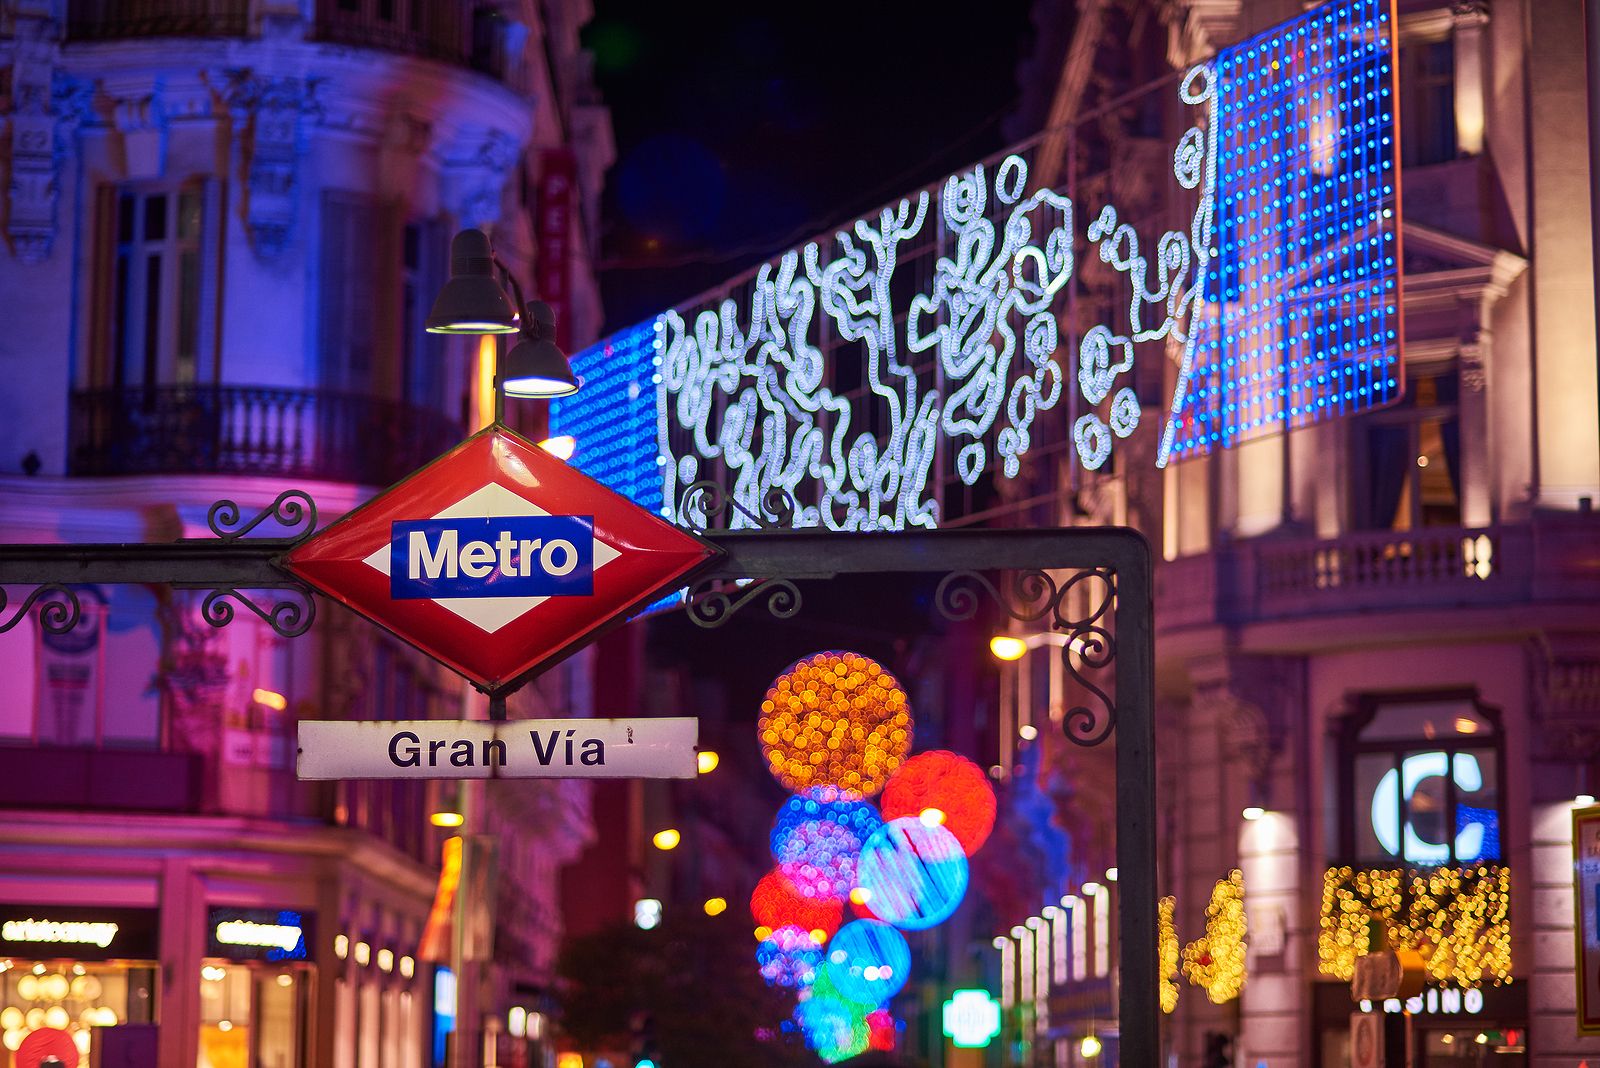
(614, 417)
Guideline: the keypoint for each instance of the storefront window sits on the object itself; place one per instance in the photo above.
(253, 1016)
(1422, 784)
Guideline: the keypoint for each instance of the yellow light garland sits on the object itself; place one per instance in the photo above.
(1458, 918)
(1167, 954)
(1216, 962)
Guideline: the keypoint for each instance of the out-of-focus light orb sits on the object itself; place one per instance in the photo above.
(1006, 647)
(789, 957)
(835, 1029)
(835, 719)
(716, 906)
(776, 902)
(947, 783)
(1090, 1046)
(647, 913)
(881, 1030)
(816, 840)
(706, 761)
(868, 962)
(13, 1038)
(11, 1018)
(917, 874)
(667, 839)
(56, 1016)
(28, 988)
(55, 987)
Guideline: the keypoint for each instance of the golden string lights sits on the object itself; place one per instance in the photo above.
(1167, 955)
(1216, 962)
(1458, 918)
(835, 719)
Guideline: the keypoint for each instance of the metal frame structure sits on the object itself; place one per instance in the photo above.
(1103, 605)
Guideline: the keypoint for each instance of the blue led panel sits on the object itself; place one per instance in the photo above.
(1300, 323)
(613, 417)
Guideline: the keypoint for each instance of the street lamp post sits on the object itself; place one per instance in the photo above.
(472, 303)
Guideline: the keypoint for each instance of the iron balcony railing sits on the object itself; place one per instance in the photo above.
(102, 20)
(460, 32)
(253, 430)
(1548, 558)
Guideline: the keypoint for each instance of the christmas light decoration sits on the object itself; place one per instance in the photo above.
(835, 1029)
(882, 1031)
(1167, 954)
(916, 874)
(614, 415)
(868, 962)
(1216, 962)
(822, 805)
(949, 783)
(1458, 918)
(835, 719)
(776, 902)
(788, 957)
(1301, 321)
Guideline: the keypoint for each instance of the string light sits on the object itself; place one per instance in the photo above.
(1216, 962)
(1302, 321)
(776, 902)
(1457, 918)
(950, 785)
(835, 719)
(1167, 954)
(816, 839)
(788, 956)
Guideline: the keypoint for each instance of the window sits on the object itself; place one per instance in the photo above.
(1427, 102)
(421, 353)
(348, 292)
(158, 286)
(1421, 783)
(1409, 458)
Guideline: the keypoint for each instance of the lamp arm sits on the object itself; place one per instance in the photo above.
(522, 307)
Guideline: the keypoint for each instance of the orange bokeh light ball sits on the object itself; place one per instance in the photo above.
(835, 719)
(950, 788)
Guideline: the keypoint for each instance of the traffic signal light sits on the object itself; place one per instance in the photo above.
(1218, 1050)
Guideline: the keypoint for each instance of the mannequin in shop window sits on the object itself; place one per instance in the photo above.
(1411, 458)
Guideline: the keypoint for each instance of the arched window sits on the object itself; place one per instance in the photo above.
(1421, 781)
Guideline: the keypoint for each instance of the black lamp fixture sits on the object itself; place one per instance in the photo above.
(472, 302)
(536, 366)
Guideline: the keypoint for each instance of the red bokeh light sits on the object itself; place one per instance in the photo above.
(776, 903)
(949, 783)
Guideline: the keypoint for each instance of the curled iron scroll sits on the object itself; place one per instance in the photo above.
(1033, 596)
(293, 509)
(710, 606)
(290, 614)
(59, 610)
(705, 505)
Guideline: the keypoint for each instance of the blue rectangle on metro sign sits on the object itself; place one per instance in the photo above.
(494, 556)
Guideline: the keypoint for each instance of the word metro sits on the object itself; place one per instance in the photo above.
(519, 749)
(495, 556)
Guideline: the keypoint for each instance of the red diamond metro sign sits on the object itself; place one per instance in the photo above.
(496, 557)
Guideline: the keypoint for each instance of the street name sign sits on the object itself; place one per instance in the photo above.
(496, 557)
(647, 748)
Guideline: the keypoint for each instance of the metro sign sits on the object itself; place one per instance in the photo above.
(496, 557)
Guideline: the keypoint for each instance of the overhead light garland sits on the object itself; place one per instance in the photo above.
(1457, 918)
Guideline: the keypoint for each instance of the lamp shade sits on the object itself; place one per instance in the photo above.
(471, 302)
(536, 366)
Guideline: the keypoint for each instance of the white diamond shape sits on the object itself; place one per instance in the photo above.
(489, 614)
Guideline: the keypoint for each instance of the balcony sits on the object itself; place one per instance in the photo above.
(130, 780)
(253, 430)
(1549, 559)
(104, 20)
(459, 32)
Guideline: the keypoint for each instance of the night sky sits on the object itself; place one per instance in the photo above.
(744, 129)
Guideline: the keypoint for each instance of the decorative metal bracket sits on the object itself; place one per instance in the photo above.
(705, 502)
(1035, 596)
(59, 610)
(292, 508)
(711, 604)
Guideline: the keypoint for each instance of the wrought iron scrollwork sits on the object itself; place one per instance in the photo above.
(710, 605)
(293, 509)
(290, 614)
(1035, 596)
(59, 609)
(707, 506)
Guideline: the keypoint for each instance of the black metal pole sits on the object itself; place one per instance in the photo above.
(1591, 19)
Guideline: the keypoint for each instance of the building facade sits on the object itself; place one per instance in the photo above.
(224, 224)
(1377, 638)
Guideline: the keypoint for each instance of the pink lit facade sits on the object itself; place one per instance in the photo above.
(223, 226)
(1378, 639)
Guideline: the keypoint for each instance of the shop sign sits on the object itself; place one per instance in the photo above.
(1586, 872)
(1434, 1001)
(658, 748)
(50, 932)
(971, 1018)
(258, 934)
